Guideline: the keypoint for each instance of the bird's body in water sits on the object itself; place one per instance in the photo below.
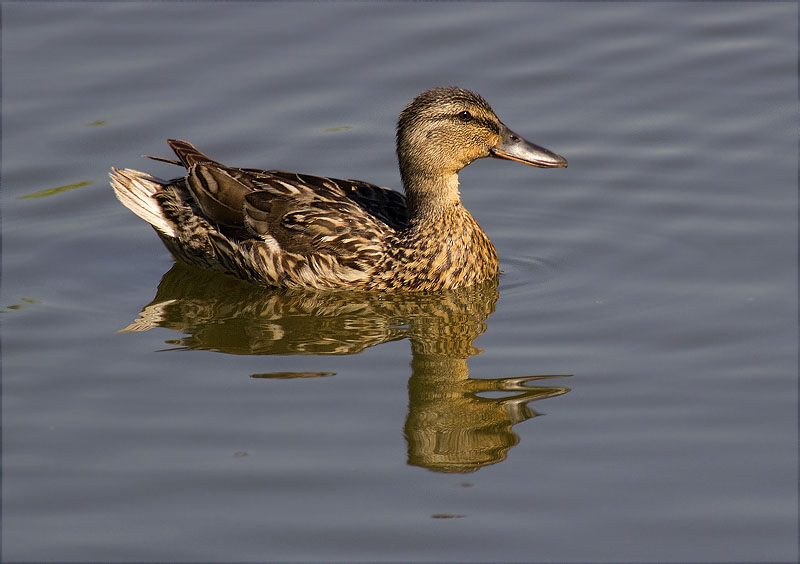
(292, 230)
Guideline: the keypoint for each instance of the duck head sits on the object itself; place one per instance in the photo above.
(444, 129)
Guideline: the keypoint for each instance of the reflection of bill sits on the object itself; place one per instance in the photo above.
(455, 423)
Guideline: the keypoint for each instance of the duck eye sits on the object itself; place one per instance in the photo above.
(464, 116)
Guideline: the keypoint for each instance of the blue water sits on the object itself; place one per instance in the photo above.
(651, 289)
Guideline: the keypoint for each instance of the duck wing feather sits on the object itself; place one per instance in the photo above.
(342, 227)
(310, 220)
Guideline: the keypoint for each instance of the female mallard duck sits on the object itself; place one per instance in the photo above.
(293, 230)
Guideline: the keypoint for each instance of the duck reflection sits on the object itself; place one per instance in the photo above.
(455, 423)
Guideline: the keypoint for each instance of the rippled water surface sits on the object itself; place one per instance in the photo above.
(628, 392)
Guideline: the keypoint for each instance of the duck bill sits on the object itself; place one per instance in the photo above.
(514, 148)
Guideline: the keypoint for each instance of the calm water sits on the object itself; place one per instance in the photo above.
(627, 393)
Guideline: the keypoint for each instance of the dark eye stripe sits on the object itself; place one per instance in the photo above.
(489, 124)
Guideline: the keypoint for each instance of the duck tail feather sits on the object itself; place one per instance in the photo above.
(189, 154)
(164, 160)
(135, 190)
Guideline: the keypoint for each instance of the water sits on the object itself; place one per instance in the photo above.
(627, 393)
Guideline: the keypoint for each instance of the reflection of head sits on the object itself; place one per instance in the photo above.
(451, 428)
(462, 441)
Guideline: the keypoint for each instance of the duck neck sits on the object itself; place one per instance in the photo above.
(429, 196)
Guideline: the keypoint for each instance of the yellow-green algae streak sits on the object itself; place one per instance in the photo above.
(57, 190)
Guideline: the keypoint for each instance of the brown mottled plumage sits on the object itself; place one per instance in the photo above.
(292, 230)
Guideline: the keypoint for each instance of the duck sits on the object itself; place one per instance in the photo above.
(291, 230)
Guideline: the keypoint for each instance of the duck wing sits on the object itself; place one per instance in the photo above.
(384, 203)
(296, 216)
(220, 189)
(311, 224)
